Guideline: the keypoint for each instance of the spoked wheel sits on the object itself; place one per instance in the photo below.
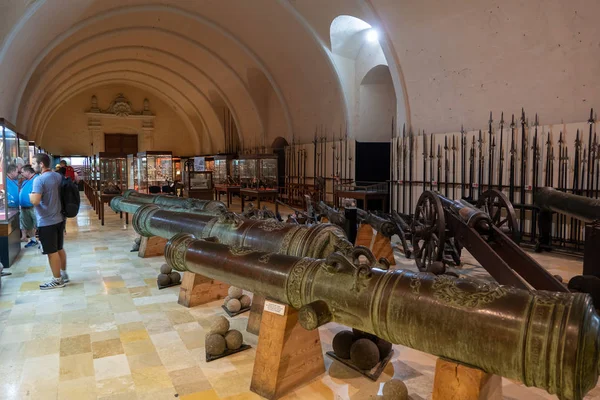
(499, 208)
(429, 233)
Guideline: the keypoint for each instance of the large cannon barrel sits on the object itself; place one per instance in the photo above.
(543, 339)
(580, 207)
(131, 196)
(121, 204)
(335, 217)
(266, 235)
(472, 216)
(381, 225)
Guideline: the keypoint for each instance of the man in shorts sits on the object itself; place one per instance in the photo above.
(28, 219)
(45, 196)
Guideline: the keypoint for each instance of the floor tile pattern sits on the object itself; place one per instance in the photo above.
(112, 334)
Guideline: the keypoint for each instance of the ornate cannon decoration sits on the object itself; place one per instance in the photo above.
(544, 339)
(438, 218)
(256, 213)
(332, 215)
(173, 201)
(266, 235)
(387, 227)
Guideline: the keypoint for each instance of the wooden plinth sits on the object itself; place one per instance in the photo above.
(287, 355)
(198, 289)
(152, 246)
(256, 310)
(458, 382)
(380, 245)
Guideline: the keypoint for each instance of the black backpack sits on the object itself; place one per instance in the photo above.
(69, 198)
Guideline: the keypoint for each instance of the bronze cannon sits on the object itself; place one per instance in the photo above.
(266, 235)
(121, 204)
(583, 208)
(173, 201)
(545, 339)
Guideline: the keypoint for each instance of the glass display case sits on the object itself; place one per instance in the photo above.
(203, 163)
(132, 182)
(258, 171)
(200, 185)
(10, 234)
(226, 171)
(23, 156)
(113, 172)
(154, 170)
(32, 151)
(176, 169)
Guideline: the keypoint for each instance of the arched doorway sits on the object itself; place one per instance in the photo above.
(278, 146)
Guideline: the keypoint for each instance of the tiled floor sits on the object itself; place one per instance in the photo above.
(111, 334)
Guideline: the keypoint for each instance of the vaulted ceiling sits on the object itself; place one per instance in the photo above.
(270, 61)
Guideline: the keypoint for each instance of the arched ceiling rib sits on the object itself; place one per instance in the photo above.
(144, 85)
(59, 72)
(201, 122)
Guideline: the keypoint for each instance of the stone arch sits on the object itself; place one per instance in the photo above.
(376, 105)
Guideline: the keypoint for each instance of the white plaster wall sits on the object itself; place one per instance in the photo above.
(377, 106)
(346, 69)
(68, 133)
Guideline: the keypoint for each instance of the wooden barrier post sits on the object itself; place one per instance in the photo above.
(287, 355)
(256, 310)
(454, 381)
(198, 289)
(152, 246)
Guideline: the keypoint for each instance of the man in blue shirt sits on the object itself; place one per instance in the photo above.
(45, 196)
(12, 186)
(28, 222)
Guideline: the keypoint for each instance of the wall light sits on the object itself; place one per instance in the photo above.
(372, 35)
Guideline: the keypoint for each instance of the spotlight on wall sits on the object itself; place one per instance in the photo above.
(372, 35)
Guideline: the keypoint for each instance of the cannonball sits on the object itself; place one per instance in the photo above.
(233, 305)
(364, 335)
(165, 269)
(135, 247)
(138, 240)
(163, 280)
(559, 278)
(364, 354)
(342, 343)
(384, 347)
(233, 339)
(219, 325)
(234, 292)
(225, 300)
(215, 344)
(395, 390)
(436, 268)
(175, 277)
(245, 300)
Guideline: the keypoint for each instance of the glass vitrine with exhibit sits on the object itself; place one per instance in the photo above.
(33, 150)
(23, 156)
(258, 171)
(113, 172)
(154, 171)
(132, 172)
(226, 170)
(10, 233)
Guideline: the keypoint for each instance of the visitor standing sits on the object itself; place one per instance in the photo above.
(27, 218)
(46, 197)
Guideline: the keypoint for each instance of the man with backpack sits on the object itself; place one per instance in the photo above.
(69, 171)
(46, 198)
(27, 216)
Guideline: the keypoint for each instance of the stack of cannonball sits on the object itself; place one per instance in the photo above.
(236, 300)
(220, 338)
(167, 276)
(363, 349)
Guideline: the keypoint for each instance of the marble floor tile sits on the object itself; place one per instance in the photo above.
(76, 366)
(144, 360)
(78, 389)
(151, 379)
(115, 386)
(105, 348)
(75, 345)
(111, 367)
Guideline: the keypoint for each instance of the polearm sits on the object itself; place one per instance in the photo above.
(431, 157)
(453, 167)
(446, 166)
(404, 151)
(491, 152)
(501, 166)
(584, 160)
(523, 170)
(534, 180)
(594, 165)
(424, 160)
(411, 150)
(481, 164)
(590, 178)
(439, 166)
(472, 168)
(393, 169)
(463, 165)
(390, 305)
(513, 152)
(575, 184)
(315, 155)
(398, 157)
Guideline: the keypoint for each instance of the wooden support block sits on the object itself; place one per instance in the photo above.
(152, 246)
(198, 289)
(287, 355)
(364, 236)
(256, 310)
(382, 247)
(454, 381)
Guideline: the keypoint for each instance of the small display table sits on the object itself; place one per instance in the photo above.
(261, 194)
(229, 191)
